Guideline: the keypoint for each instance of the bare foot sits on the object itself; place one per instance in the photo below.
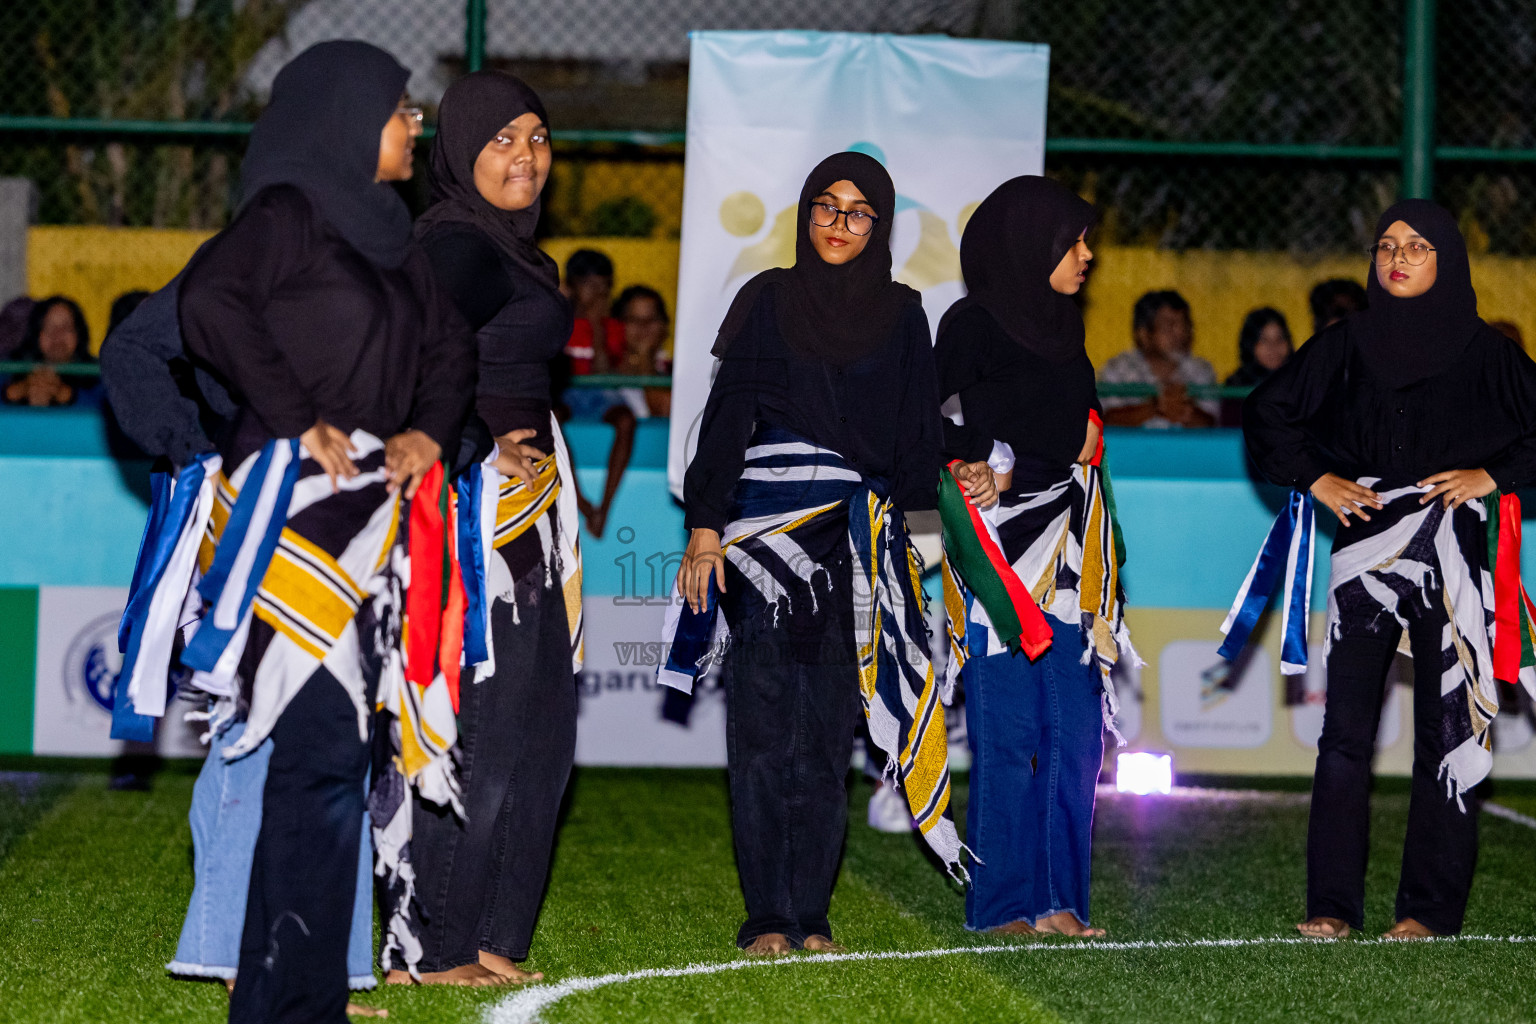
(358, 1010)
(822, 944)
(1066, 923)
(771, 944)
(1408, 929)
(1013, 928)
(1324, 928)
(509, 970)
(469, 974)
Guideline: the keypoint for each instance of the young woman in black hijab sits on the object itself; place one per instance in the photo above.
(481, 878)
(1027, 458)
(347, 363)
(820, 430)
(1403, 421)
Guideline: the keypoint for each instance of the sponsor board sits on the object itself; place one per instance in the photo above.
(77, 667)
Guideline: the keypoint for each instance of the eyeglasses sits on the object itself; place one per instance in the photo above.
(1385, 253)
(415, 115)
(824, 215)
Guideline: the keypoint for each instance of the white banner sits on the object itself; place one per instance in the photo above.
(951, 119)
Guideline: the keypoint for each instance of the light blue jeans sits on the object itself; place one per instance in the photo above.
(225, 817)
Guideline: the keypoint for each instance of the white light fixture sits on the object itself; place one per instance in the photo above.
(1144, 773)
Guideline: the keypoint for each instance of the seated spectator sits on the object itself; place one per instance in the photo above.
(643, 312)
(1333, 300)
(13, 325)
(56, 334)
(1163, 332)
(1263, 346)
(642, 315)
(589, 285)
(1510, 330)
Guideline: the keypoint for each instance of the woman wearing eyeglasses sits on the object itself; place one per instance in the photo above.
(820, 430)
(1403, 421)
(1026, 477)
(349, 372)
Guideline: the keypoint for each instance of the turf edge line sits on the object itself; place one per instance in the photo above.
(1500, 811)
(523, 1006)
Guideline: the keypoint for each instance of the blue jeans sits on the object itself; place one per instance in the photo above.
(225, 817)
(1037, 743)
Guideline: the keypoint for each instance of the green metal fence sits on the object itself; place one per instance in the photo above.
(1281, 125)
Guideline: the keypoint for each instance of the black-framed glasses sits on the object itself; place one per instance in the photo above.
(414, 115)
(824, 215)
(1414, 253)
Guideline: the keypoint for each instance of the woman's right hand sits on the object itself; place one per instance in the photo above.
(332, 449)
(1344, 497)
(702, 558)
(978, 482)
(515, 459)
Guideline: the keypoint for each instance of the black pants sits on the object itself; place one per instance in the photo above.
(481, 880)
(1441, 849)
(293, 951)
(792, 708)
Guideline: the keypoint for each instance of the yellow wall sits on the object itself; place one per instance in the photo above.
(94, 265)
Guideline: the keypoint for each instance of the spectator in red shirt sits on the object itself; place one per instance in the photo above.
(589, 284)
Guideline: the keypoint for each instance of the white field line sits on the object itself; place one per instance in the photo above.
(1500, 811)
(524, 1006)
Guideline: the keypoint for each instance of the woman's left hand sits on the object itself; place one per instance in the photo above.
(1458, 486)
(407, 458)
(1091, 442)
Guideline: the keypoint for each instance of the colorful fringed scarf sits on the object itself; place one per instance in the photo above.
(494, 511)
(790, 486)
(1408, 551)
(1053, 552)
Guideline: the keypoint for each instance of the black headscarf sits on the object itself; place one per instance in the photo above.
(473, 110)
(1251, 372)
(837, 313)
(1012, 244)
(320, 132)
(1407, 340)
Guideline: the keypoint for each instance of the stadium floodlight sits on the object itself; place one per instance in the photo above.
(1144, 773)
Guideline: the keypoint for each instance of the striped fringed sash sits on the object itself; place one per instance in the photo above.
(1408, 551)
(788, 483)
(161, 598)
(494, 511)
(1056, 550)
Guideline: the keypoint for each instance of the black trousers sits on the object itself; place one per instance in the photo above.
(792, 709)
(1441, 848)
(480, 881)
(293, 950)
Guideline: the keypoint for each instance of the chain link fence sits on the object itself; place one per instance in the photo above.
(1269, 125)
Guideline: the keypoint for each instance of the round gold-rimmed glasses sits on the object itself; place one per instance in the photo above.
(1414, 253)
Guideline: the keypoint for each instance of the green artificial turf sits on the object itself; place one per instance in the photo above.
(91, 898)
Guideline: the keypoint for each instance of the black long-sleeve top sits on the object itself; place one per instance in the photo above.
(158, 400)
(880, 412)
(520, 324)
(1324, 411)
(303, 327)
(1010, 394)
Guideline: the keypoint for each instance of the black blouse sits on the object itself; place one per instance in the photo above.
(1008, 393)
(303, 327)
(520, 324)
(1324, 411)
(880, 413)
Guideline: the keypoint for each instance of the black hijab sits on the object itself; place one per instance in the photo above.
(1251, 372)
(1012, 244)
(320, 132)
(473, 110)
(1407, 340)
(836, 313)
